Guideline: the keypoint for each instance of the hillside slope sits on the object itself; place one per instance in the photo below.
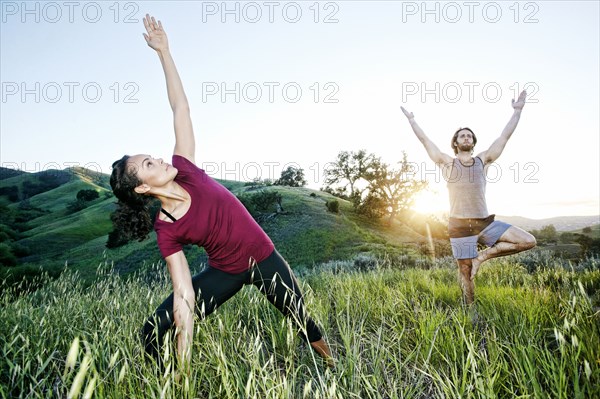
(561, 223)
(305, 232)
(38, 221)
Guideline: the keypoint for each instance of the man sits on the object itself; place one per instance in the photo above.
(470, 221)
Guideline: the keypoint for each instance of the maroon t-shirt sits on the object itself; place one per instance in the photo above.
(216, 220)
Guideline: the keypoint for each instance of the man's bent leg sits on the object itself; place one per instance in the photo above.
(512, 241)
(466, 283)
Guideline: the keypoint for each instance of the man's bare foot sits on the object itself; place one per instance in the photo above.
(475, 264)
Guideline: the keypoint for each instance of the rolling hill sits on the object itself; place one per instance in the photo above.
(40, 224)
(561, 223)
(54, 236)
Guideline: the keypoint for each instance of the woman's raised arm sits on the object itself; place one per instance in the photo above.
(156, 38)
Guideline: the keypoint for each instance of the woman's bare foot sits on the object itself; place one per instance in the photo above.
(323, 350)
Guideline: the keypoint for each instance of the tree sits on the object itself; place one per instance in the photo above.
(385, 191)
(589, 246)
(394, 187)
(587, 230)
(293, 177)
(348, 169)
(548, 234)
(566, 237)
(261, 203)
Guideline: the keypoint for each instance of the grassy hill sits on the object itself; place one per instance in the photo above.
(51, 236)
(594, 234)
(305, 232)
(561, 223)
(42, 220)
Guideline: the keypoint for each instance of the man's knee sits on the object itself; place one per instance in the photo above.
(528, 242)
(531, 243)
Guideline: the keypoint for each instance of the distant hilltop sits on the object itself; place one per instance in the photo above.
(22, 184)
(561, 223)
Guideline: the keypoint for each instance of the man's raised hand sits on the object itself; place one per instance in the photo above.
(409, 115)
(520, 103)
(156, 37)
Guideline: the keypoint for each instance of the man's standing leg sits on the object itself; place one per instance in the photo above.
(466, 283)
(464, 250)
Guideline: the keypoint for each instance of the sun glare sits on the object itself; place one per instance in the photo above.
(428, 201)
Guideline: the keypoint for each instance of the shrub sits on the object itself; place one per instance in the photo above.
(589, 246)
(12, 192)
(333, 206)
(20, 250)
(440, 249)
(261, 201)
(87, 195)
(265, 200)
(115, 239)
(373, 207)
(7, 258)
(76, 206)
(246, 200)
(26, 212)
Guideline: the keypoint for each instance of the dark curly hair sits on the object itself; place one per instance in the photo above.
(131, 219)
(453, 142)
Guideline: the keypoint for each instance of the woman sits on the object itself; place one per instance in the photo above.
(195, 209)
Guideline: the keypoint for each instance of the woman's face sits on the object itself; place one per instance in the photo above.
(153, 172)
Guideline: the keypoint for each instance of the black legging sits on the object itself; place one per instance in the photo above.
(273, 277)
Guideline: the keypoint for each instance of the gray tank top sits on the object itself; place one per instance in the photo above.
(466, 187)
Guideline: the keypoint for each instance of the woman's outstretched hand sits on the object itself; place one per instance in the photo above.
(156, 37)
(520, 103)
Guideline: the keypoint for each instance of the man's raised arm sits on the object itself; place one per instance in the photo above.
(495, 150)
(433, 151)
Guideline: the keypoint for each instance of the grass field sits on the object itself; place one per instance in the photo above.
(393, 317)
(396, 332)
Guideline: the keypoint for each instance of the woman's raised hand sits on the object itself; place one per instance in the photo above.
(156, 37)
(520, 103)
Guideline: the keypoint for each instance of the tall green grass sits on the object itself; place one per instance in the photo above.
(396, 332)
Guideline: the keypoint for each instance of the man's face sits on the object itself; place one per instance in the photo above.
(464, 141)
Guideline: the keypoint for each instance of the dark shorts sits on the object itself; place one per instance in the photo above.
(465, 234)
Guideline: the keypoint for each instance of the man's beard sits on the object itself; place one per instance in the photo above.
(466, 147)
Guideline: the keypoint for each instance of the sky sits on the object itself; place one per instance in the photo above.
(273, 84)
